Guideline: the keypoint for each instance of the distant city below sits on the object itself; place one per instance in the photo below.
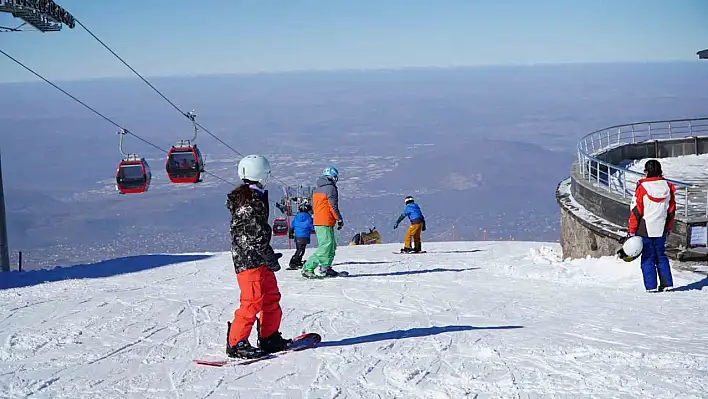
(481, 149)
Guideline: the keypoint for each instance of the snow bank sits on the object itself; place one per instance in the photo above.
(495, 319)
(686, 168)
(588, 272)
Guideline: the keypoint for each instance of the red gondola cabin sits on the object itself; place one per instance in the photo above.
(133, 176)
(184, 163)
(280, 227)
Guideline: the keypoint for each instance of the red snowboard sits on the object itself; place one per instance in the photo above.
(304, 341)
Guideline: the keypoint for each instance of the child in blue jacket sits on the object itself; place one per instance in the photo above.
(300, 229)
(415, 215)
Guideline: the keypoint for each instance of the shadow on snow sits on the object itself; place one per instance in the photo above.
(410, 333)
(469, 251)
(697, 285)
(106, 268)
(411, 272)
(361, 263)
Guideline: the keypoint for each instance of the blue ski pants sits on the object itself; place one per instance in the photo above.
(654, 260)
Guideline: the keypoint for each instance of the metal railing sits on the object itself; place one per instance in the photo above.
(691, 199)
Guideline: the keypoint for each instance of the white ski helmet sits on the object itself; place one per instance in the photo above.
(631, 249)
(255, 168)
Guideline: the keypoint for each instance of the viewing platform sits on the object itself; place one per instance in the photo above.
(595, 198)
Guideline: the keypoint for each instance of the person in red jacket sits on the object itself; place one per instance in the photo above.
(652, 217)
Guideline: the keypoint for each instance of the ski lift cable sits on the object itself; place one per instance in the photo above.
(187, 115)
(109, 120)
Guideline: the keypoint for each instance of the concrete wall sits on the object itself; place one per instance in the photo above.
(656, 149)
(603, 203)
(580, 238)
(578, 241)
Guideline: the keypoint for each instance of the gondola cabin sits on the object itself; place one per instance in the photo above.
(133, 175)
(280, 227)
(184, 163)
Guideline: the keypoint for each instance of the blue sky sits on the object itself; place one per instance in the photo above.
(168, 37)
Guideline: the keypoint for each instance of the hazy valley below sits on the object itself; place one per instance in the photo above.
(480, 149)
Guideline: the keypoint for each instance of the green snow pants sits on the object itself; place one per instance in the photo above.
(326, 247)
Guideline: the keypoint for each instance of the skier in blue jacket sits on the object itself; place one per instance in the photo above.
(300, 229)
(415, 215)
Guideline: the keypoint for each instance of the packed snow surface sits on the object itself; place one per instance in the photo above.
(476, 319)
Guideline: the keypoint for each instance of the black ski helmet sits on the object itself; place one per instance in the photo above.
(304, 207)
(409, 200)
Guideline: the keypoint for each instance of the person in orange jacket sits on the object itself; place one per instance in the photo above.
(325, 205)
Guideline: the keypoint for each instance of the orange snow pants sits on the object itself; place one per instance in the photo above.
(259, 293)
(413, 234)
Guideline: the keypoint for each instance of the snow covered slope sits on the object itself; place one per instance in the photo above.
(498, 319)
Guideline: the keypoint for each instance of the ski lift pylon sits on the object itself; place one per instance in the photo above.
(185, 163)
(133, 173)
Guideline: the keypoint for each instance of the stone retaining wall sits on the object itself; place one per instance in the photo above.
(580, 238)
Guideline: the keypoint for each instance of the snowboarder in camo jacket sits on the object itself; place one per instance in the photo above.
(255, 263)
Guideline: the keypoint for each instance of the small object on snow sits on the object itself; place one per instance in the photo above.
(328, 273)
(364, 238)
(301, 342)
(410, 253)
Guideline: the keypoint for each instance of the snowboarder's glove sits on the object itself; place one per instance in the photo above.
(340, 224)
(625, 238)
(395, 226)
(423, 226)
(273, 263)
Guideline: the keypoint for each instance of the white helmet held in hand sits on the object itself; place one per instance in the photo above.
(254, 168)
(631, 249)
